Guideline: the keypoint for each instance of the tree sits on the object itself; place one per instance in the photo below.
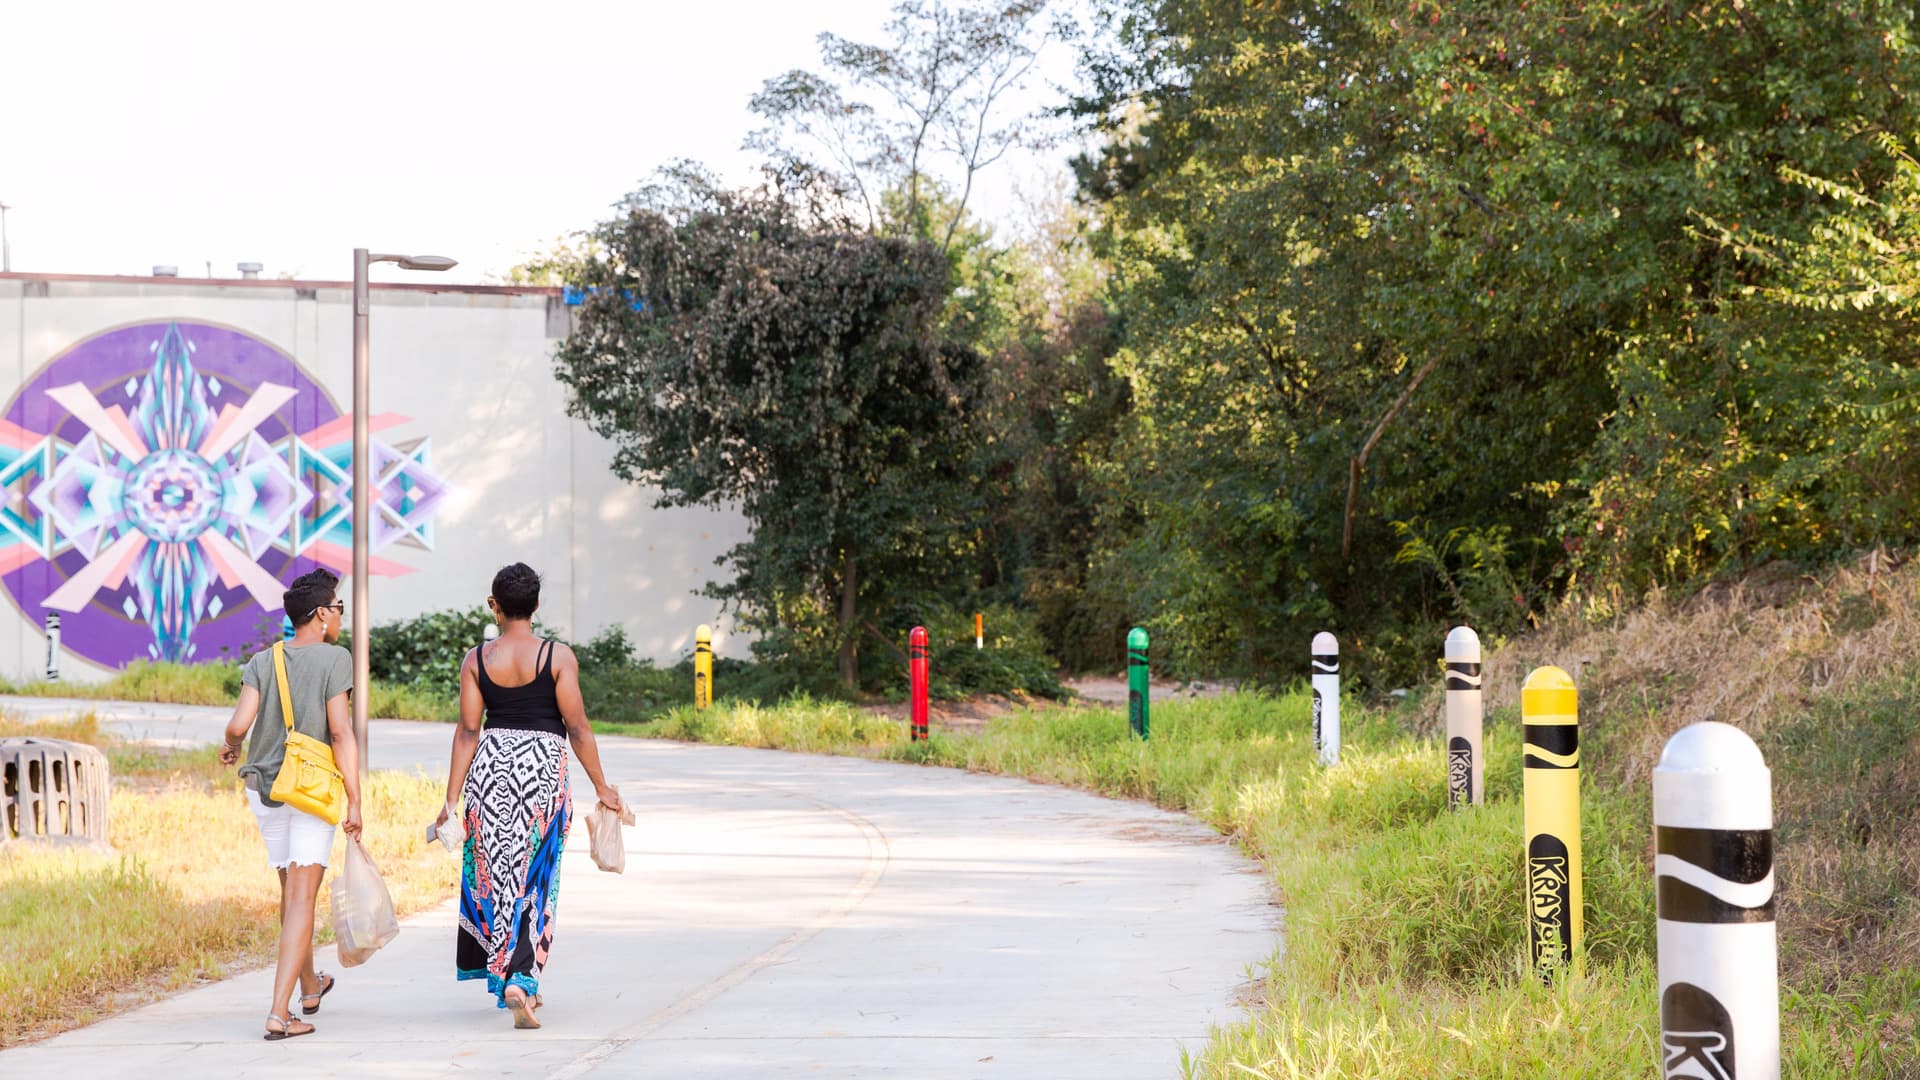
(551, 264)
(930, 108)
(1415, 288)
(748, 348)
(1829, 330)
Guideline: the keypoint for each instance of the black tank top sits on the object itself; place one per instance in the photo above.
(533, 707)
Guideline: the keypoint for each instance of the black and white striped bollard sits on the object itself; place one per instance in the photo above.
(1326, 698)
(1713, 873)
(1466, 764)
(53, 646)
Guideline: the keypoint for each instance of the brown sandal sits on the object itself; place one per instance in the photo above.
(289, 1027)
(522, 1008)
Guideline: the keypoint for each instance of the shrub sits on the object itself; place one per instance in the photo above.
(620, 688)
(426, 650)
(1014, 661)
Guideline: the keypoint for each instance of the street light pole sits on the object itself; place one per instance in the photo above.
(6, 249)
(363, 485)
(362, 622)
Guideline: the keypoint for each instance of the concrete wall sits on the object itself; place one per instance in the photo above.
(469, 369)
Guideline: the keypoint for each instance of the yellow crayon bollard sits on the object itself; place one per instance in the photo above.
(703, 667)
(1549, 721)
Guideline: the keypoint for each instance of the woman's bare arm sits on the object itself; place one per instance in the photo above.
(573, 711)
(244, 712)
(466, 737)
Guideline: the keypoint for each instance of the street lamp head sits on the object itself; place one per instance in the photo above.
(416, 262)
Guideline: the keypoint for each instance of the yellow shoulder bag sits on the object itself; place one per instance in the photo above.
(308, 779)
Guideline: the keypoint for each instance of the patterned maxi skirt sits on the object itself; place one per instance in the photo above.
(517, 814)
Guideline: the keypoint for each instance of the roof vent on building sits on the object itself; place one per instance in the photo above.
(166, 271)
(249, 270)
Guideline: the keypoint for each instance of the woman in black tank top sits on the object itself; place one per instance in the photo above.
(533, 706)
(510, 766)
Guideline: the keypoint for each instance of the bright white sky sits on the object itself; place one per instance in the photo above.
(137, 133)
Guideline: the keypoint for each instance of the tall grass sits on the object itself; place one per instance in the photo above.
(186, 894)
(1404, 950)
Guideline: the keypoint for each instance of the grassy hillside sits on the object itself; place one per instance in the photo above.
(1824, 672)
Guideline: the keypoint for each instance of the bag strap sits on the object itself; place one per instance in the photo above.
(280, 680)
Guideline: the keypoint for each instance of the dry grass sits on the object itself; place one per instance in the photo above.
(186, 895)
(1750, 653)
(1822, 670)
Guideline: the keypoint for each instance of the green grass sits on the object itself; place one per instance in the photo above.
(1404, 947)
(219, 684)
(615, 695)
(143, 680)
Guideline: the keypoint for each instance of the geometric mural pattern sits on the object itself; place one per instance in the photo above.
(160, 483)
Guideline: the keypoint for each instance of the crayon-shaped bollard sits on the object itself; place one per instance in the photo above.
(917, 683)
(1713, 882)
(979, 629)
(1466, 765)
(1550, 783)
(53, 646)
(1138, 682)
(703, 667)
(1326, 698)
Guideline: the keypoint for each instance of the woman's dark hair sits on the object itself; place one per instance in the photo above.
(516, 589)
(308, 593)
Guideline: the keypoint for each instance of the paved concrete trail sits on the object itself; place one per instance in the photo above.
(781, 915)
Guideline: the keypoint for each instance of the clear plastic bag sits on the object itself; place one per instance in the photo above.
(608, 847)
(363, 919)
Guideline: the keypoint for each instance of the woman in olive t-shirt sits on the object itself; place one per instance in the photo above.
(319, 677)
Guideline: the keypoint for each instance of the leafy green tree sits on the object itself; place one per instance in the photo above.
(1051, 408)
(743, 347)
(1829, 336)
(1421, 294)
(816, 351)
(551, 264)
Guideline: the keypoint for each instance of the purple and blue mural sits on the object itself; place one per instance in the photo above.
(160, 483)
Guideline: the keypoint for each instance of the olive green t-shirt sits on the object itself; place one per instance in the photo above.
(315, 673)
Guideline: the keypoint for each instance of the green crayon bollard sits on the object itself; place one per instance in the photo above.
(1137, 681)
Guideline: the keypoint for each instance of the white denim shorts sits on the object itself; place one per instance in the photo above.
(292, 836)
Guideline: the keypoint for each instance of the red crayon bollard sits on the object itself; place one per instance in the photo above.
(917, 676)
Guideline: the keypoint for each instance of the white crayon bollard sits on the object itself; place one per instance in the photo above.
(1713, 874)
(53, 646)
(1466, 761)
(1326, 698)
